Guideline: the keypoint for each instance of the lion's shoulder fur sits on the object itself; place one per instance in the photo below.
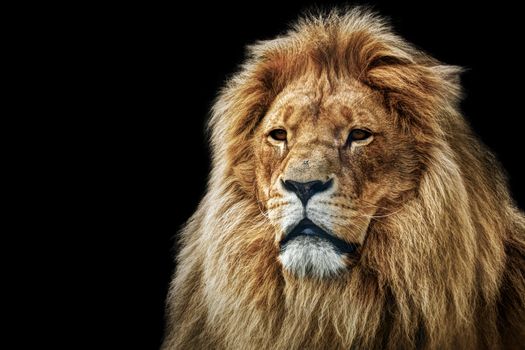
(445, 272)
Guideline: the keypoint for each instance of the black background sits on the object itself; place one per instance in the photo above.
(170, 62)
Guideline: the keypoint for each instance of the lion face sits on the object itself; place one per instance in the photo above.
(330, 160)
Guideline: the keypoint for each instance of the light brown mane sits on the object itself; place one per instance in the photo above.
(445, 271)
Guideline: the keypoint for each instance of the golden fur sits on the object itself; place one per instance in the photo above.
(441, 259)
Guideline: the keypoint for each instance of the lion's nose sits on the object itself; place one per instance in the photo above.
(305, 190)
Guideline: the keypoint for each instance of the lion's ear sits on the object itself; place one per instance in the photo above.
(419, 92)
(450, 74)
(448, 84)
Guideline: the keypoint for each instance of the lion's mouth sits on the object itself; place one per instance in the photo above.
(307, 228)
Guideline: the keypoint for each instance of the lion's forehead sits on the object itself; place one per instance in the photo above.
(317, 112)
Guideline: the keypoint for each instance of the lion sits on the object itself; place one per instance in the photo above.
(349, 206)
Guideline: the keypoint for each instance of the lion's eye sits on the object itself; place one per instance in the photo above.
(358, 135)
(278, 134)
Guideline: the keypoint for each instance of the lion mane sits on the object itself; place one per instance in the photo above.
(444, 272)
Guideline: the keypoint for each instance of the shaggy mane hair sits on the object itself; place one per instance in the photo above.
(445, 272)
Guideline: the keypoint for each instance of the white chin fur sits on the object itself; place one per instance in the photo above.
(311, 256)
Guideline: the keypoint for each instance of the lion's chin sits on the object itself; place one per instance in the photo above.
(311, 256)
(310, 251)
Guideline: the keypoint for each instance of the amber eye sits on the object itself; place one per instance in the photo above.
(278, 134)
(358, 135)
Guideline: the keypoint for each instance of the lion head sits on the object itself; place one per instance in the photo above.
(329, 159)
(349, 205)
